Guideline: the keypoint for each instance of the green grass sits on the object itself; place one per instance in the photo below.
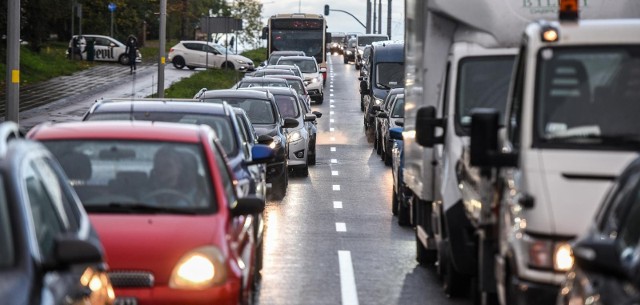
(210, 79)
(150, 50)
(257, 55)
(49, 63)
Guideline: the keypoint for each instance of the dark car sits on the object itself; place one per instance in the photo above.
(379, 119)
(297, 84)
(607, 261)
(386, 71)
(249, 82)
(264, 115)
(295, 69)
(267, 72)
(392, 117)
(48, 248)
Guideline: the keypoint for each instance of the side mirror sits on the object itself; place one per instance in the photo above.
(426, 124)
(395, 133)
(376, 108)
(484, 141)
(318, 114)
(290, 123)
(69, 250)
(247, 206)
(263, 64)
(261, 153)
(399, 122)
(382, 115)
(600, 256)
(265, 139)
(309, 117)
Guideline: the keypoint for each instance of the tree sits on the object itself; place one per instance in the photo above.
(249, 11)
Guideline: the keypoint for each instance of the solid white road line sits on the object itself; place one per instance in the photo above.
(332, 121)
(347, 279)
(334, 173)
(341, 227)
(337, 204)
(336, 187)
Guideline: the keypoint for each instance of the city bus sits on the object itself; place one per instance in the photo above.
(299, 32)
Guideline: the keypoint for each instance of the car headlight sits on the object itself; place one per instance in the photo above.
(198, 269)
(548, 254)
(275, 143)
(348, 52)
(240, 61)
(294, 136)
(378, 101)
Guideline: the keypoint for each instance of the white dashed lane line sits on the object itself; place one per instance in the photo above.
(336, 187)
(341, 227)
(337, 204)
(333, 149)
(334, 173)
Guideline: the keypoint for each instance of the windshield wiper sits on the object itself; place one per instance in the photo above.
(136, 207)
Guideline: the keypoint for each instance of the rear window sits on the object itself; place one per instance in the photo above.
(305, 65)
(258, 111)
(288, 106)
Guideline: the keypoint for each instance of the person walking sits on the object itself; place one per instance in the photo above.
(131, 50)
(90, 49)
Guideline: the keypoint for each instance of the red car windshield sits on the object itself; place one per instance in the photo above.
(116, 176)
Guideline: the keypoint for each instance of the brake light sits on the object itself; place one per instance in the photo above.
(170, 50)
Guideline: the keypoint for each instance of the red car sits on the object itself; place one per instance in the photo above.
(164, 204)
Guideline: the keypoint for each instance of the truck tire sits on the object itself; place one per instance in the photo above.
(403, 215)
(454, 284)
(424, 257)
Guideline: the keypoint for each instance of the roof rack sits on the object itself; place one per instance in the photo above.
(8, 131)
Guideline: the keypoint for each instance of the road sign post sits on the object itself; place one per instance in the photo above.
(112, 8)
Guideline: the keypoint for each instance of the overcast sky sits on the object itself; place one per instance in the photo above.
(338, 21)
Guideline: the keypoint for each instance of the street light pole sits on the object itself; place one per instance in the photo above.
(112, 23)
(13, 61)
(163, 40)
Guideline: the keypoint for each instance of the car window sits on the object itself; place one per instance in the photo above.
(258, 111)
(226, 176)
(45, 217)
(306, 66)
(7, 253)
(296, 85)
(398, 108)
(116, 176)
(288, 106)
(244, 135)
(102, 42)
(193, 46)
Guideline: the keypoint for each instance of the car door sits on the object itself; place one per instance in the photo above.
(194, 55)
(215, 59)
(103, 49)
(55, 211)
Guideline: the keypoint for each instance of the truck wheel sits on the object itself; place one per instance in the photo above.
(394, 203)
(454, 284)
(178, 62)
(403, 214)
(423, 256)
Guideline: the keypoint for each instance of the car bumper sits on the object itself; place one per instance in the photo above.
(298, 152)
(227, 294)
(246, 68)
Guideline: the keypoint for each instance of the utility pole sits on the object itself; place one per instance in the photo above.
(73, 18)
(389, 19)
(374, 16)
(163, 41)
(13, 61)
(368, 17)
(379, 16)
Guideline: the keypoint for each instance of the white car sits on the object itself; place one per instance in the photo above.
(312, 75)
(201, 54)
(106, 49)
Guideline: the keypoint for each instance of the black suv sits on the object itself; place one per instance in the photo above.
(266, 119)
(49, 252)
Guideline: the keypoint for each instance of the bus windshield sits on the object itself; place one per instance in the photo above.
(309, 41)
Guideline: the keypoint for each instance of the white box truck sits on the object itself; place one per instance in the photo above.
(571, 127)
(449, 201)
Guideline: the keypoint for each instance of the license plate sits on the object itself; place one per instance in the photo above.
(126, 301)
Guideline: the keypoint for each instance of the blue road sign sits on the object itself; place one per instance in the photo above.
(112, 7)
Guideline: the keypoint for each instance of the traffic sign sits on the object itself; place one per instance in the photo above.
(112, 7)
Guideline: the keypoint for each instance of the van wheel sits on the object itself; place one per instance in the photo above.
(454, 284)
(424, 256)
(178, 62)
(403, 214)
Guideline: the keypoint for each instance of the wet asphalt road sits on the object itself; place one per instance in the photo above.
(338, 221)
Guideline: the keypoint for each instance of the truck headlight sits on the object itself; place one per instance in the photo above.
(198, 269)
(548, 254)
(378, 101)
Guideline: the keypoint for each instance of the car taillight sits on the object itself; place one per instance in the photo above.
(170, 50)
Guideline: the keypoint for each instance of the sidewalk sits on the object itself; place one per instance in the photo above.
(67, 98)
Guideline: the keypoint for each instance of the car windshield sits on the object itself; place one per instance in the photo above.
(262, 84)
(367, 40)
(398, 108)
(258, 111)
(7, 256)
(287, 105)
(220, 123)
(137, 177)
(222, 49)
(296, 85)
(305, 65)
(390, 75)
(587, 97)
(483, 82)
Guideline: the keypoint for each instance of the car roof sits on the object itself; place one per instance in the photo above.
(194, 106)
(287, 76)
(239, 93)
(277, 90)
(120, 130)
(261, 79)
(298, 57)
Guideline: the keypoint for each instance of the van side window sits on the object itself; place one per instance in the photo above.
(515, 113)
